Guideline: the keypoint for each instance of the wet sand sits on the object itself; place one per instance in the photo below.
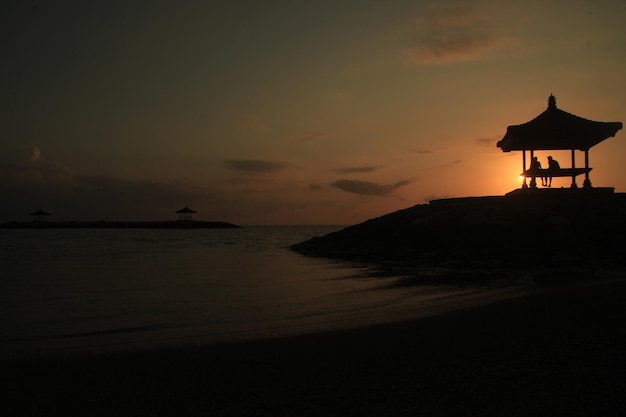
(560, 350)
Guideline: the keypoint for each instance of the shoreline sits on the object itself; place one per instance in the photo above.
(174, 224)
(425, 301)
(557, 349)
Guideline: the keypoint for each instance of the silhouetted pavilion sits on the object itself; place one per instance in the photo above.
(186, 213)
(555, 129)
(39, 216)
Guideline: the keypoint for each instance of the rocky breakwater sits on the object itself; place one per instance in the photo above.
(523, 229)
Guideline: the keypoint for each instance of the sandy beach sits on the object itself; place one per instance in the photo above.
(556, 351)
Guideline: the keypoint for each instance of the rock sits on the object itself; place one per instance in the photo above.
(521, 230)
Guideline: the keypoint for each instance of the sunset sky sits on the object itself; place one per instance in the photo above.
(292, 112)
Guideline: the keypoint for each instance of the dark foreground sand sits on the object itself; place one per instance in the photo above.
(557, 352)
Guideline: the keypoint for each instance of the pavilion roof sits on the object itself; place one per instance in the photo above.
(555, 129)
(39, 212)
(186, 210)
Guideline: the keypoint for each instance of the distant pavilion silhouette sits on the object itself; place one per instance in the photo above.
(39, 216)
(186, 213)
(555, 129)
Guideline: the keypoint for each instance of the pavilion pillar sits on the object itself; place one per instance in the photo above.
(533, 179)
(587, 183)
(574, 169)
(524, 167)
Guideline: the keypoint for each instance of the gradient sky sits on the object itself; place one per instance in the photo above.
(292, 112)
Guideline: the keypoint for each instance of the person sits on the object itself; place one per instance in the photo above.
(553, 166)
(535, 169)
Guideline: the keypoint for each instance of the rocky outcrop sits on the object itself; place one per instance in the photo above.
(525, 228)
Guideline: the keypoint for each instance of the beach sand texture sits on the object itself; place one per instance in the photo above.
(557, 351)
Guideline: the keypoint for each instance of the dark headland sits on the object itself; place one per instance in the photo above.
(179, 224)
(524, 229)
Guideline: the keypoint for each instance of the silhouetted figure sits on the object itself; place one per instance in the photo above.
(553, 166)
(535, 170)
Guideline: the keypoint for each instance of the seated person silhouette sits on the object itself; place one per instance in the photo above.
(535, 169)
(553, 166)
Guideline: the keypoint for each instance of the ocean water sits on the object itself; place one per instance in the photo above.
(66, 291)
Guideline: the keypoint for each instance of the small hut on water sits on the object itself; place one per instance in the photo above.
(555, 129)
(186, 214)
(39, 216)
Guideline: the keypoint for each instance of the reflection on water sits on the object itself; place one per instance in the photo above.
(93, 290)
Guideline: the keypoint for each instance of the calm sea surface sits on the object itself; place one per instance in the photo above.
(65, 290)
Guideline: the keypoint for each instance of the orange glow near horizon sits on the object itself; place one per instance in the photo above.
(284, 126)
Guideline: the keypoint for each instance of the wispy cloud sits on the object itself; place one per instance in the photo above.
(255, 166)
(452, 32)
(315, 187)
(362, 170)
(366, 187)
(255, 123)
(246, 180)
(458, 161)
(33, 153)
(486, 141)
(28, 166)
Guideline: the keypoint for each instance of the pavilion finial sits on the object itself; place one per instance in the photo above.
(552, 102)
